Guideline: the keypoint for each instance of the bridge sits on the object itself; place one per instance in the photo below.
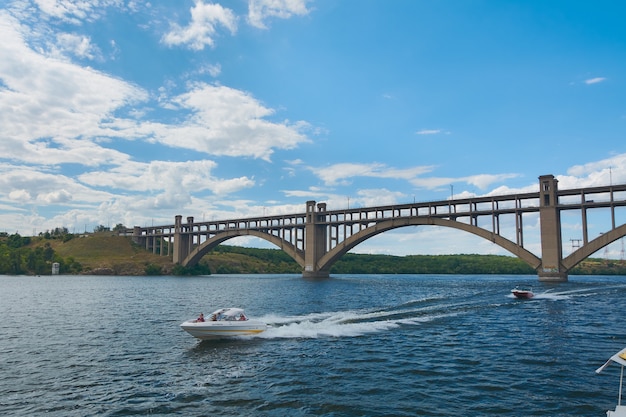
(317, 238)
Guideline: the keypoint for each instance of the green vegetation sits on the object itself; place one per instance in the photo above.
(226, 259)
(152, 269)
(251, 260)
(199, 269)
(238, 260)
(594, 266)
(106, 253)
(430, 264)
(102, 253)
(18, 255)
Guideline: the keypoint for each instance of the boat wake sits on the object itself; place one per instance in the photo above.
(350, 323)
(358, 322)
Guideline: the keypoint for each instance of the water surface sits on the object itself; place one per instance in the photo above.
(364, 345)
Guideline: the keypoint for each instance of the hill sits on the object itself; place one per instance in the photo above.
(106, 253)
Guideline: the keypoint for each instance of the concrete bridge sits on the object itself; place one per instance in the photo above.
(317, 238)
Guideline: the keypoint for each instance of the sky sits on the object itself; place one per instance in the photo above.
(131, 112)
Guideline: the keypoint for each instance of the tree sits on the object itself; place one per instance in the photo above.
(16, 241)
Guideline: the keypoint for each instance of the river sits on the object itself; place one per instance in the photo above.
(352, 345)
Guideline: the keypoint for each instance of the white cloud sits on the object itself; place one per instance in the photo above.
(50, 109)
(77, 45)
(595, 80)
(428, 132)
(134, 188)
(226, 121)
(201, 31)
(433, 182)
(213, 70)
(75, 11)
(481, 181)
(54, 197)
(170, 177)
(376, 197)
(343, 172)
(260, 10)
(20, 196)
(311, 194)
(53, 112)
(432, 132)
(598, 173)
(28, 185)
(504, 190)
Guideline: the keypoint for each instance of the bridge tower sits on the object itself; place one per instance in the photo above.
(315, 240)
(181, 241)
(551, 268)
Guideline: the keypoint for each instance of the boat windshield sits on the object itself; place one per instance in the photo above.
(228, 314)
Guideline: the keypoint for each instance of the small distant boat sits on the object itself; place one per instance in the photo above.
(522, 292)
(620, 358)
(223, 323)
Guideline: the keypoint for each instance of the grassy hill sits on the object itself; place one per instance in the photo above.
(108, 254)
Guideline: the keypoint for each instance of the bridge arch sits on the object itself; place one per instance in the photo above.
(194, 257)
(593, 246)
(341, 249)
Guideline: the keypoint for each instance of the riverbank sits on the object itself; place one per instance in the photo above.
(106, 253)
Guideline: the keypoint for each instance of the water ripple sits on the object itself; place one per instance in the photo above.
(350, 346)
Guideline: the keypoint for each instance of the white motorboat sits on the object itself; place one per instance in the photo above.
(620, 358)
(222, 323)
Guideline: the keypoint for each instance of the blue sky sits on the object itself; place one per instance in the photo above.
(118, 111)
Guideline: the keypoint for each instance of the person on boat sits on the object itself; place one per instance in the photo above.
(200, 318)
(213, 317)
(242, 317)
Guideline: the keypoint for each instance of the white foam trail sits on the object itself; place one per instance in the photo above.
(552, 296)
(312, 330)
(342, 323)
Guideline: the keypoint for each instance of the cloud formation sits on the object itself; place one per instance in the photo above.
(345, 172)
(260, 10)
(58, 114)
(203, 27)
(595, 80)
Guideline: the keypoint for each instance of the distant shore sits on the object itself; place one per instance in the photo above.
(106, 253)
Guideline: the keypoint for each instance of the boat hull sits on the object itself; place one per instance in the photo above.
(219, 330)
(522, 294)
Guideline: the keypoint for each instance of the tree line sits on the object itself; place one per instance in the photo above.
(256, 260)
(18, 258)
(235, 259)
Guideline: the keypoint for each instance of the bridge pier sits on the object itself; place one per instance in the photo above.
(551, 268)
(315, 241)
(315, 274)
(181, 241)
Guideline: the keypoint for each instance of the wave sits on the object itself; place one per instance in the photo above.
(349, 323)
